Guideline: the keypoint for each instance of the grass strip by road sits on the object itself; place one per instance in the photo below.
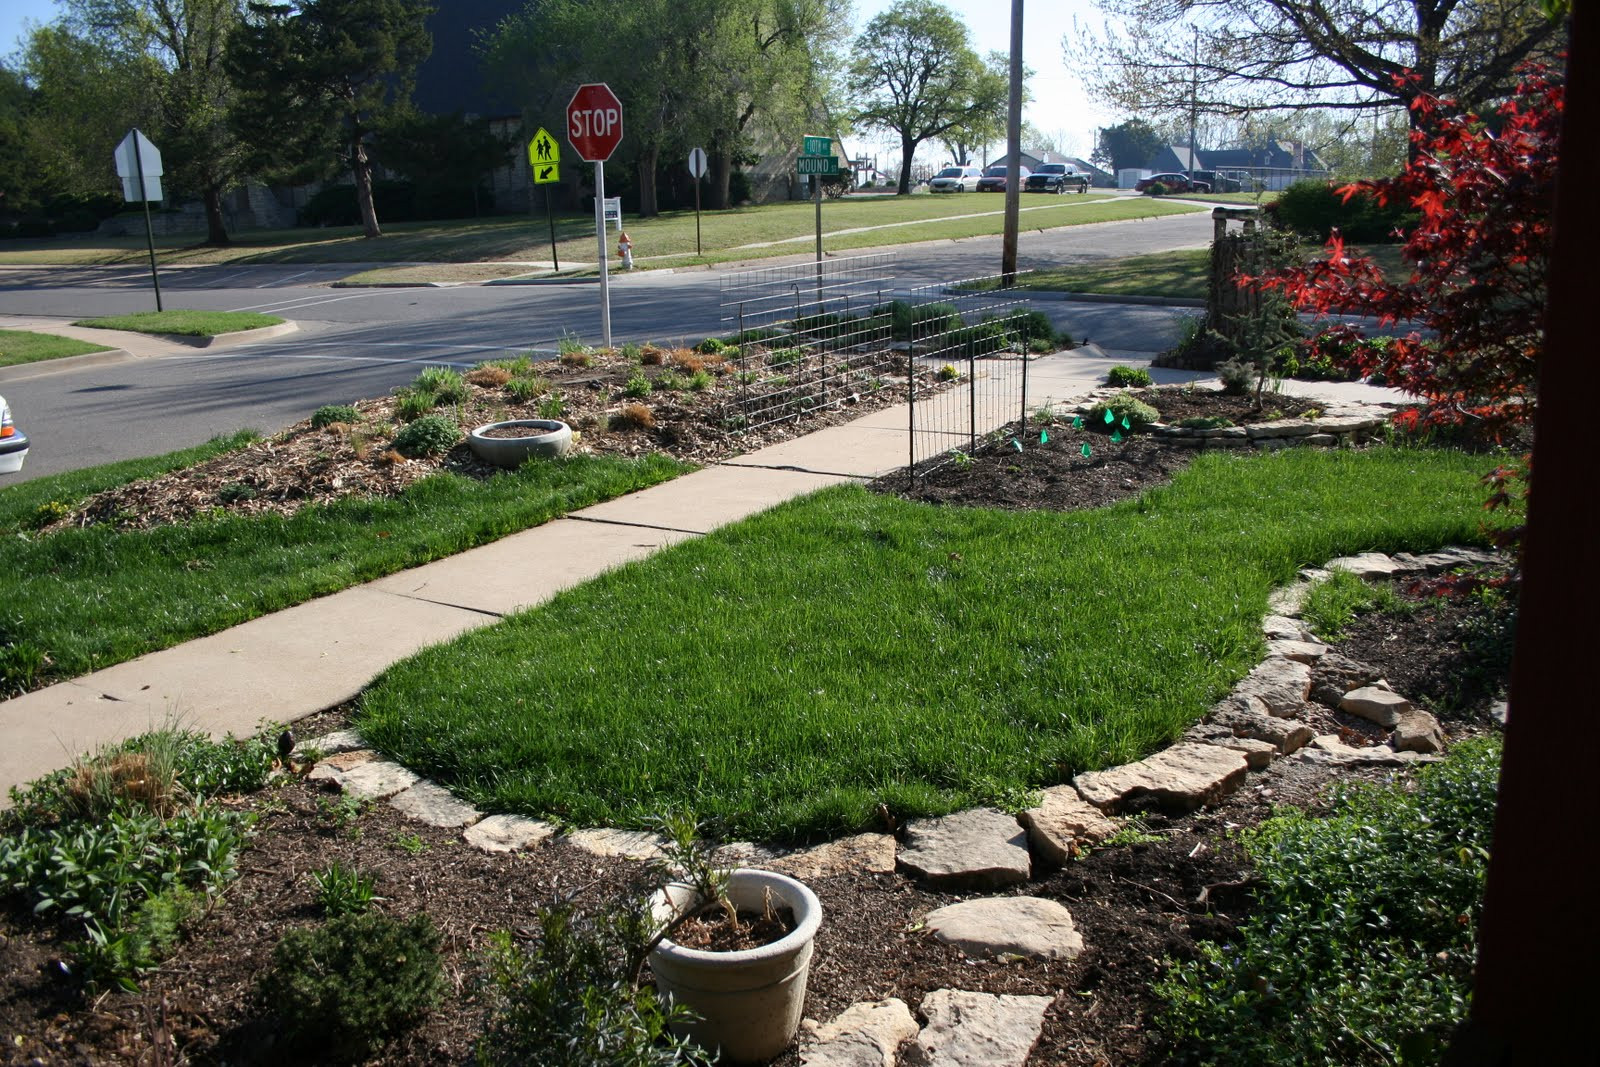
(82, 599)
(787, 674)
(25, 346)
(184, 323)
(672, 234)
(1179, 273)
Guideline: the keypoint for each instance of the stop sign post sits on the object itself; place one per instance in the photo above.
(594, 128)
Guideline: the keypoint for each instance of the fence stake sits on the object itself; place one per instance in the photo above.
(1027, 348)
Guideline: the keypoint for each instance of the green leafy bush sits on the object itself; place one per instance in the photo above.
(1121, 406)
(909, 321)
(638, 387)
(979, 339)
(1125, 377)
(1238, 375)
(711, 346)
(1037, 328)
(1361, 946)
(552, 407)
(328, 414)
(1313, 209)
(430, 435)
(1205, 422)
(571, 997)
(341, 990)
(1155, 189)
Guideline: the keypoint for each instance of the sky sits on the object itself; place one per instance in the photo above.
(1059, 106)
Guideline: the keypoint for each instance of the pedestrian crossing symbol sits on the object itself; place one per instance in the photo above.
(544, 157)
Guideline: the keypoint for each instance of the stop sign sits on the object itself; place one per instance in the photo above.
(594, 122)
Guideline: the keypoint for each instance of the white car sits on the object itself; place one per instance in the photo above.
(955, 179)
(13, 442)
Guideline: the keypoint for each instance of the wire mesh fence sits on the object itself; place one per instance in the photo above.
(812, 335)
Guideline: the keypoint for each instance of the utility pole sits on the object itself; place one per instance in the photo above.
(1008, 246)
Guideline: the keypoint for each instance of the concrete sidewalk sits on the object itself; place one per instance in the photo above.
(315, 655)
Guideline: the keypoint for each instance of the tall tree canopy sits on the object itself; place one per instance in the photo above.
(1236, 56)
(316, 79)
(919, 77)
(1127, 144)
(183, 42)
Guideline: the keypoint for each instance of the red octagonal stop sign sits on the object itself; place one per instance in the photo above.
(594, 122)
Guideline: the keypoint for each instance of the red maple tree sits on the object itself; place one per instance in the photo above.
(1479, 256)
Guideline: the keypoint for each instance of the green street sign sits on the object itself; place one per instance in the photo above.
(816, 146)
(819, 164)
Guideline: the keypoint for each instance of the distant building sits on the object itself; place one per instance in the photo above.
(1273, 164)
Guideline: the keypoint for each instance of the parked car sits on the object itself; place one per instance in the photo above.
(994, 179)
(1219, 182)
(955, 179)
(13, 442)
(1056, 178)
(1173, 183)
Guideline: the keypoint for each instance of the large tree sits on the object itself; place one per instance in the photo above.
(983, 129)
(183, 42)
(1236, 56)
(918, 77)
(1130, 144)
(316, 79)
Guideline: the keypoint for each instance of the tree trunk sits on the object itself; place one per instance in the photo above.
(361, 166)
(216, 230)
(907, 150)
(647, 181)
(721, 164)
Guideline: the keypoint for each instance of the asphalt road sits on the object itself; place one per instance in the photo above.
(356, 343)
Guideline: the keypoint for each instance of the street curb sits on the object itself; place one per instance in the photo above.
(1099, 298)
(398, 285)
(221, 340)
(39, 368)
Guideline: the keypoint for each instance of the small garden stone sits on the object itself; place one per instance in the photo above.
(977, 849)
(1030, 927)
(1381, 706)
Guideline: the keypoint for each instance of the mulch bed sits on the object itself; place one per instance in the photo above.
(1136, 905)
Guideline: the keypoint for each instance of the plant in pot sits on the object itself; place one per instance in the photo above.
(734, 947)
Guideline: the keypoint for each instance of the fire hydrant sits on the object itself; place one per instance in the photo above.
(625, 250)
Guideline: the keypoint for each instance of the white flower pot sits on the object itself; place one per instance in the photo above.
(543, 438)
(750, 1002)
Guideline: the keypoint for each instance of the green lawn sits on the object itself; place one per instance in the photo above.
(86, 598)
(1180, 273)
(785, 675)
(725, 235)
(184, 323)
(23, 346)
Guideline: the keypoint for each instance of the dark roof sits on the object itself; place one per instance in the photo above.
(451, 79)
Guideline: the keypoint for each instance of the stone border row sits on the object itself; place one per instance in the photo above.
(1340, 423)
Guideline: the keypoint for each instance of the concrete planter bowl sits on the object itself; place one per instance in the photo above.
(750, 1002)
(540, 439)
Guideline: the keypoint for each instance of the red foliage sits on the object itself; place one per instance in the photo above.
(1475, 296)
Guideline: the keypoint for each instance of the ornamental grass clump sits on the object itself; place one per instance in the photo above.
(1127, 413)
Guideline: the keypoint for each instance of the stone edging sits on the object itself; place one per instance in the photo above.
(1261, 720)
(1341, 423)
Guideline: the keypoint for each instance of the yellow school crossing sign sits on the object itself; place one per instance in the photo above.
(544, 157)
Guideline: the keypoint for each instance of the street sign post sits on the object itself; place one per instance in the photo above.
(819, 164)
(816, 146)
(816, 161)
(594, 128)
(544, 161)
(697, 170)
(139, 166)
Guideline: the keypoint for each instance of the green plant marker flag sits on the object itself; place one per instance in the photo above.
(1044, 437)
(1016, 444)
(1086, 451)
(1116, 437)
(1110, 418)
(1077, 422)
(1126, 425)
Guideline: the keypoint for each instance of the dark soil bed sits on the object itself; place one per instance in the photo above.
(1137, 905)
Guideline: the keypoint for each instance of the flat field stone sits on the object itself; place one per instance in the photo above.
(745, 854)
(435, 805)
(1281, 684)
(1367, 565)
(1307, 652)
(1417, 731)
(868, 1033)
(1248, 717)
(1382, 706)
(1289, 600)
(508, 833)
(1183, 777)
(1063, 824)
(968, 1029)
(976, 849)
(1283, 628)
(1329, 749)
(1030, 927)
(862, 853)
(1335, 674)
(362, 774)
(628, 844)
(1258, 755)
(330, 744)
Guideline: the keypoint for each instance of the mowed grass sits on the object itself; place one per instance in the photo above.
(86, 598)
(725, 235)
(185, 323)
(1179, 273)
(25, 346)
(786, 675)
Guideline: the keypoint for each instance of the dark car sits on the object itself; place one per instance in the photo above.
(1219, 182)
(994, 179)
(13, 442)
(1056, 178)
(1173, 183)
